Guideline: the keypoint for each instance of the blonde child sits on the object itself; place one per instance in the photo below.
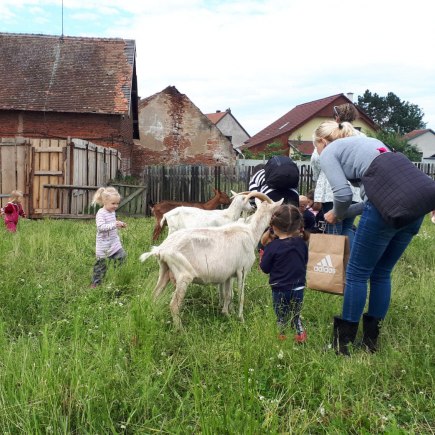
(108, 243)
(285, 259)
(13, 210)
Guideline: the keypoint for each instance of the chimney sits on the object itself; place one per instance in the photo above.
(218, 111)
(350, 96)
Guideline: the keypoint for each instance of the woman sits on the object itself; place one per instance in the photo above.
(323, 192)
(377, 245)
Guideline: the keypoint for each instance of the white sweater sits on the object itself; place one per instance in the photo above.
(108, 241)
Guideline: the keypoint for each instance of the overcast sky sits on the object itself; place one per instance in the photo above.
(260, 58)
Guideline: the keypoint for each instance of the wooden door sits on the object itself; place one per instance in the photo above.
(48, 167)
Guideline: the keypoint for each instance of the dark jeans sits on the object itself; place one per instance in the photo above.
(343, 228)
(288, 306)
(100, 267)
(376, 249)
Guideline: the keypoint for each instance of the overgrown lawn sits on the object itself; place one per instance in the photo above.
(107, 360)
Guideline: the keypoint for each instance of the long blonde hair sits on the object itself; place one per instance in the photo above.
(103, 194)
(332, 130)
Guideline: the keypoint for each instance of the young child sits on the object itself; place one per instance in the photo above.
(285, 259)
(13, 211)
(108, 244)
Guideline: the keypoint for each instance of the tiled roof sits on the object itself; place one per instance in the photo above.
(415, 133)
(298, 116)
(66, 74)
(215, 117)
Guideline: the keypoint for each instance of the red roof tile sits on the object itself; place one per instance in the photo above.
(69, 74)
(215, 117)
(415, 133)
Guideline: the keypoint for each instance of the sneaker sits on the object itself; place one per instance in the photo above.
(282, 337)
(301, 338)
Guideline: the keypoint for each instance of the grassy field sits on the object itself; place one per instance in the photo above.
(107, 360)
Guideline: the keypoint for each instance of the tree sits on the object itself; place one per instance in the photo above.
(391, 113)
(396, 142)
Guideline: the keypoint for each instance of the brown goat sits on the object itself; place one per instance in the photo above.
(163, 207)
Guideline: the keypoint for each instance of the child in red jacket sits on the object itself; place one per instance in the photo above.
(13, 210)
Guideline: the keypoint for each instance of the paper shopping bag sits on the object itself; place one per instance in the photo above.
(328, 255)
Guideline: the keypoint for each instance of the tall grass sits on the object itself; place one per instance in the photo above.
(79, 360)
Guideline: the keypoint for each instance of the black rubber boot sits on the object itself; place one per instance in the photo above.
(371, 326)
(344, 334)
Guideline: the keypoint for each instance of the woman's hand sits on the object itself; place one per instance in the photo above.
(330, 217)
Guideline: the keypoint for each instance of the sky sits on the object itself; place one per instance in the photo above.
(260, 58)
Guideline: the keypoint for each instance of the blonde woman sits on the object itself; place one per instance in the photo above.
(377, 245)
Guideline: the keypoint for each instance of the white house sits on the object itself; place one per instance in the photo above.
(229, 126)
(424, 140)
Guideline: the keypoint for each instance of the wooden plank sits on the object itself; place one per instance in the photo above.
(9, 159)
(48, 173)
(54, 149)
(130, 197)
(71, 186)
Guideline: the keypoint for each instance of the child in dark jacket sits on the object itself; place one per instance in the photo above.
(285, 259)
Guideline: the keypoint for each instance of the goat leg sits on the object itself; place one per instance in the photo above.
(164, 278)
(227, 296)
(177, 300)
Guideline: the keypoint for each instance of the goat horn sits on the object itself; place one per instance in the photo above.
(258, 195)
(238, 194)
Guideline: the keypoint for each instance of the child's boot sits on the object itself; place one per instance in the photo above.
(344, 334)
(301, 334)
(371, 326)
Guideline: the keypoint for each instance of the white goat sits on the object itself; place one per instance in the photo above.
(189, 217)
(211, 256)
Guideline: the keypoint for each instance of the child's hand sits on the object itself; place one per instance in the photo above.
(268, 236)
(120, 224)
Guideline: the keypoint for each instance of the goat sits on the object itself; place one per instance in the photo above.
(211, 256)
(163, 207)
(186, 217)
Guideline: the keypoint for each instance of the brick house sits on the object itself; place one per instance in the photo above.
(174, 131)
(295, 129)
(60, 87)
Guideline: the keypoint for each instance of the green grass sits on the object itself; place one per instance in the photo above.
(107, 360)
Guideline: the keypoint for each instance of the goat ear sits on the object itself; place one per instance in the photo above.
(234, 193)
(280, 201)
(258, 202)
(215, 190)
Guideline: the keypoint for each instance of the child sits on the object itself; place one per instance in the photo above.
(285, 259)
(13, 211)
(108, 244)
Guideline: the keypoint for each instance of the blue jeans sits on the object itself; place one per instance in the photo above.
(376, 249)
(343, 228)
(287, 306)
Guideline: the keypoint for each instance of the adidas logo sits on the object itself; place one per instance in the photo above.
(325, 265)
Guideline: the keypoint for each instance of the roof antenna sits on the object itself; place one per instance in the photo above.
(62, 22)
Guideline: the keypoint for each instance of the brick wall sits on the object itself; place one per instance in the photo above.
(106, 130)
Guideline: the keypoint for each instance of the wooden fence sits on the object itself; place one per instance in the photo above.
(60, 177)
(195, 183)
(55, 175)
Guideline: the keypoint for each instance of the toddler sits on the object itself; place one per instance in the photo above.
(285, 259)
(108, 244)
(13, 211)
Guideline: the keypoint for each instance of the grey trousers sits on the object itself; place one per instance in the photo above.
(100, 267)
